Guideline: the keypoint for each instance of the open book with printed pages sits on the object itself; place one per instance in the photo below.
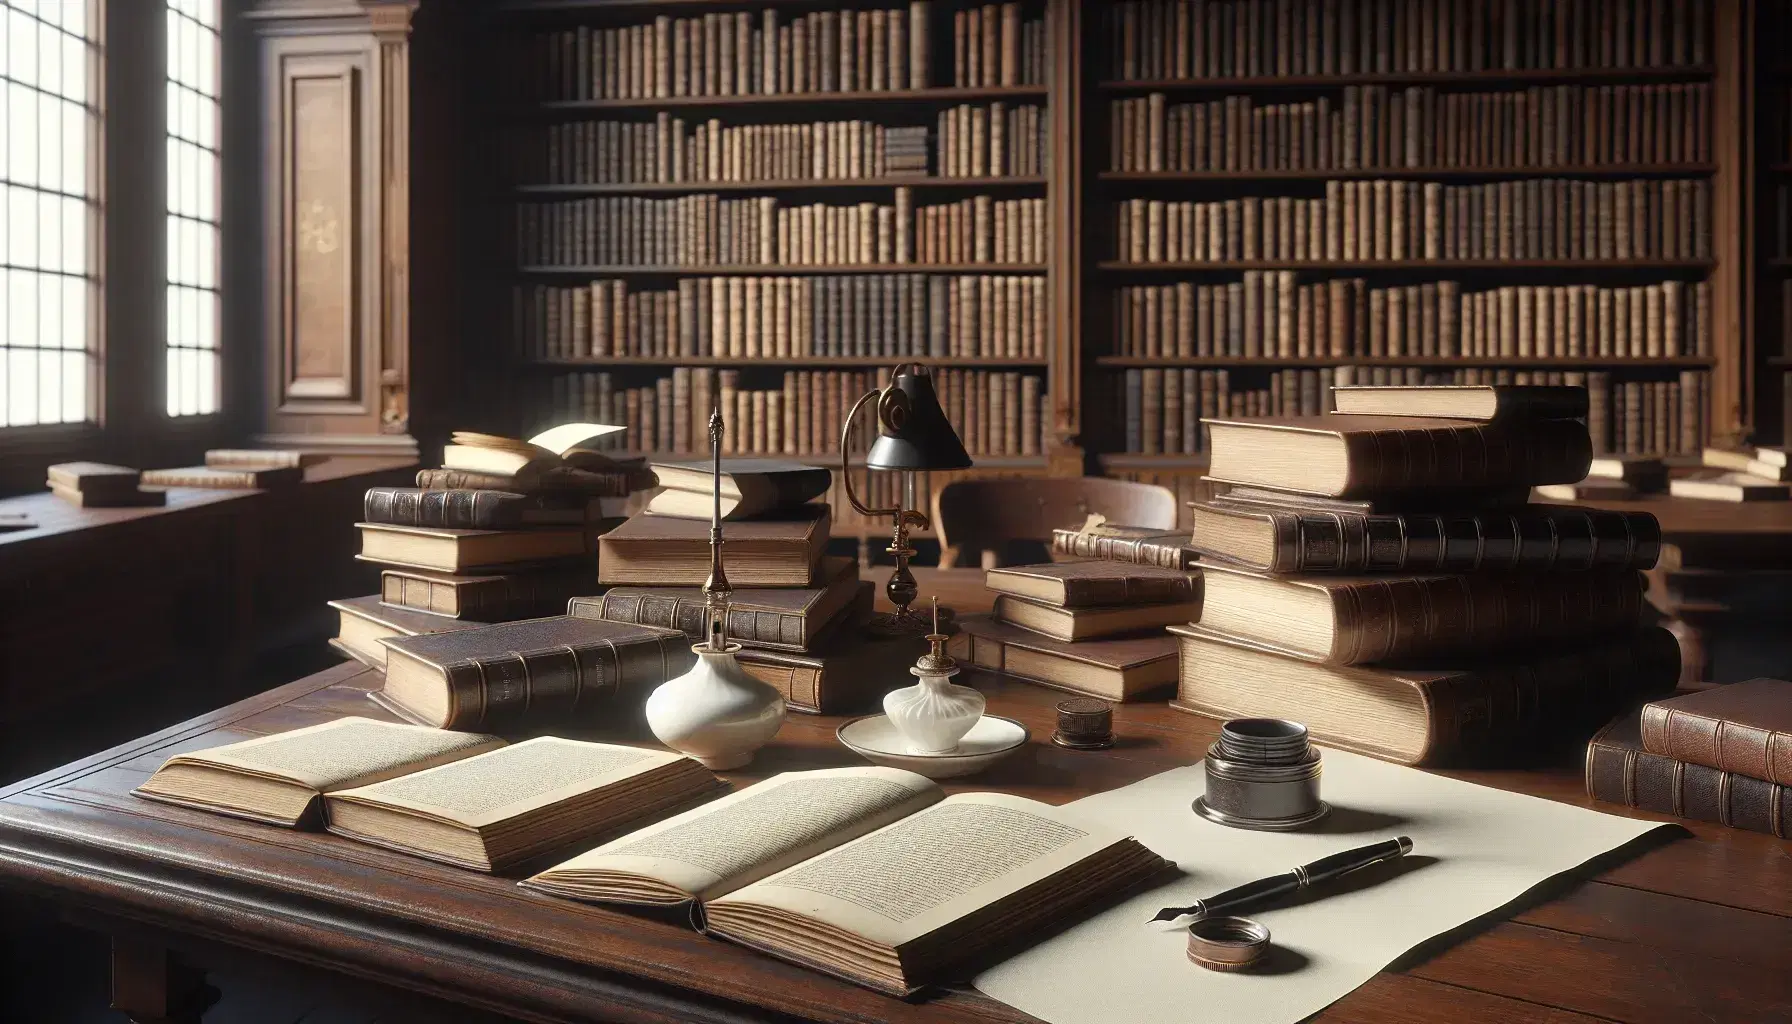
(506, 456)
(873, 875)
(461, 798)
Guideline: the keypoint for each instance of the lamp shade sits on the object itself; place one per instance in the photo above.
(925, 438)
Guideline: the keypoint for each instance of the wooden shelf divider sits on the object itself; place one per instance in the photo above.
(774, 185)
(786, 99)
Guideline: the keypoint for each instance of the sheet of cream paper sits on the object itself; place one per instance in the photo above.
(1474, 850)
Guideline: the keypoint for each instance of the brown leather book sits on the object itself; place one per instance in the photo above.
(612, 483)
(1620, 771)
(1407, 501)
(92, 477)
(781, 551)
(1098, 582)
(215, 478)
(1360, 456)
(1134, 545)
(362, 622)
(773, 618)
(261, 458)
(1536, 538)
(1093, 622)
(500, 598)
(466, 509)
(460, 551)
(1428, 714)
(1745, 728)
(559, 671)
(1117, 670)
(109, 499)
(1354, 620)
(1481, 402)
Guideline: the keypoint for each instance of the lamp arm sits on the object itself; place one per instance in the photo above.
(846, 463)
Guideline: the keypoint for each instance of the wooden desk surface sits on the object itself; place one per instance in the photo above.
(1698, 928)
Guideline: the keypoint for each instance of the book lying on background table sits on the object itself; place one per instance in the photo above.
(237, 478)
(750, 487)
(261, 458)
(1481, 402)
(1720, 485)
(1117, 670)
(98, 485)
(1090, 623)
(868, 874)
(489, 598)
(660, 551)
(1093, 583)
(1133, 545)
(468, 551)
(362, 622)
(771, 618)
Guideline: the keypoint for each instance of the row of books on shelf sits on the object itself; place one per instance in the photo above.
(982, 316)
(740, 53)
(1154, 39)
(1409, 220)
(1416, 127)
(995, 413)
(1270, 314)
(1160, 410)
(708, 230)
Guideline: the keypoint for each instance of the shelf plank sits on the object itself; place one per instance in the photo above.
(602, 362)
(1496, 77)
(830, 460)
(1119, 266)
(1324, 361)
(679, 187)
(1327, 174)
(785, 269)
(942, 94)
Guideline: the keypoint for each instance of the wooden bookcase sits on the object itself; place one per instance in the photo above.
(1693, 68)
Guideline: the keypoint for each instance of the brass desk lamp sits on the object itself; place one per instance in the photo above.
(913, 436)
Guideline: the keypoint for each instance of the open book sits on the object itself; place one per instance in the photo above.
(460, 798)
(868, 874)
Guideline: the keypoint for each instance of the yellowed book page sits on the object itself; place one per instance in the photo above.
(342, 754)
(929, 869)
(511, 781)
(717, 848)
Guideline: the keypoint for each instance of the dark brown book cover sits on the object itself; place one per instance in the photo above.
(500, 598)
(1409, 501)
(1745, 728)
(1354, 620)
(1534, 538)
(782, 551)
(467, 509)
(848, 671)
(773, 618)
(1340, 456)
(1120, 670)
(1429, 714)
(363, 621)
(1137, 545)
(1620, 771)
(557, 671)
(1093, 583)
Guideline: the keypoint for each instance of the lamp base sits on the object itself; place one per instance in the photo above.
(905, 623)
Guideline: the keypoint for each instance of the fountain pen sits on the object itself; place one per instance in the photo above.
(1322, 870)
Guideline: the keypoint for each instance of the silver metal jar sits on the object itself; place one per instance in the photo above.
(1263, 775)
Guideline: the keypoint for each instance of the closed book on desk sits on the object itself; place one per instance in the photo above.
(1119, 670)
(557, 671)
(1133, 545)
(1428, 714)
(261, 458)
(1359, 456)
(1098, 582)
(750, 487)
(1482, 402)
(278, 779)
(513, 803)
(1093, 623)
(462, 551)
(1745, 728)
(846, 870)
(1427, 501)
(651, 550)
(1620, 771)
(93, 477)
(773, 618)
(1533, 538)
(524, 594)
(362, 622)
(559, 481)
(218, 478)
(1353, 620)
(464, 509)
(1726, 486)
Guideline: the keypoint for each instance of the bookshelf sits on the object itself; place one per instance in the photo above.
(1254, 199)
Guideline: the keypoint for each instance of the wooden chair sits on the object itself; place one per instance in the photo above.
(986, 515)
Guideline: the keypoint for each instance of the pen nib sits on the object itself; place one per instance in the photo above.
(1172, 913)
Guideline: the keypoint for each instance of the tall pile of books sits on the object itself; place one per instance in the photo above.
(793, 608)
(1378, 575)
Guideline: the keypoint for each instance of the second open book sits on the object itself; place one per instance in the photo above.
(870, 874)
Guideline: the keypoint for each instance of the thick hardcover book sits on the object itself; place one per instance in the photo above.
(1353, 620)
(463, 509)
(500, 598)
(774, 618)
(1295, 538)
(1098, 582)
(1118, 670)
(750, 487)
(1135, 545)
(362, 622)
(1734, 487)
(1091, 622)
(1429, 714)
(1620, 771)
(1361, 456)
(1483, 402)
(216, 478)
(558, 671)
(615, 483)
(92, 477)
(260, 458)
(666, 551)
(1744, 728)
(460, 551)
(1410, 501)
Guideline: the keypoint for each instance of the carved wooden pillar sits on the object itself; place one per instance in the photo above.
(336, 244)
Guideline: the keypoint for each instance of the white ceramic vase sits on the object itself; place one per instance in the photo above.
(716, 712)
(935, 713)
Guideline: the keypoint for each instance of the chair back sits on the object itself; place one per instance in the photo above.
(989, 516)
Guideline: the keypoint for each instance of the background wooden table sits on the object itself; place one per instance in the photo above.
(1697, 928)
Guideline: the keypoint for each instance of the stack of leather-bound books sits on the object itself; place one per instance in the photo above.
(1380, 575)
(793, 608)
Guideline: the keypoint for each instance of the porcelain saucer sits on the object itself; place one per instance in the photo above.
(875, 739)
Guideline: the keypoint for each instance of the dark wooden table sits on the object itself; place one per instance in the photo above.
(1698, 928)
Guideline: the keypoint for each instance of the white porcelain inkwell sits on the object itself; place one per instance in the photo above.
(716, 713)
(934, 713)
